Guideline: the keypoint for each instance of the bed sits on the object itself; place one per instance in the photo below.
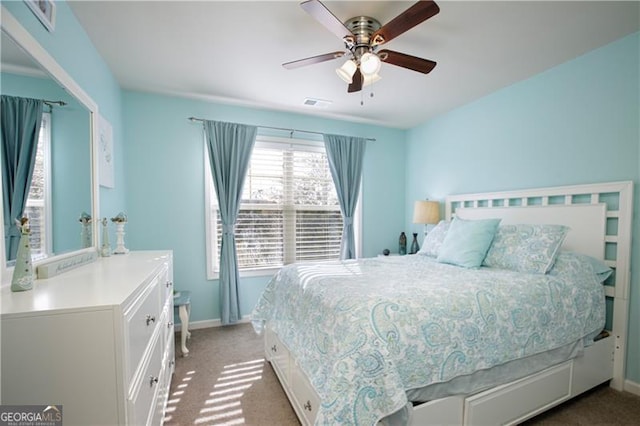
(422, 340)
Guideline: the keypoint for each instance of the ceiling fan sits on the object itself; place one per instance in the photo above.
(362, 36)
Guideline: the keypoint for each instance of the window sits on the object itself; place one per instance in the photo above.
(289, 210)
(38, 200)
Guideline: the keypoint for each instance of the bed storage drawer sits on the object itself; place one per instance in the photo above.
(443, 411)
(520, 400)
(594, 366)
(307, 400)
(278, 354)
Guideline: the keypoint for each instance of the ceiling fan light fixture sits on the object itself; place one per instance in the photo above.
(346, 71)
(370, 64)
(370, 79)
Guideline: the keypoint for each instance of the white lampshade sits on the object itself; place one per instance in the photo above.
(426, 212)
(370, 79)
(369, 64)
(347, 70)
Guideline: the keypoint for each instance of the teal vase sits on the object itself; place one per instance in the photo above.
(402, 244)
(22, 279)
(415, 247)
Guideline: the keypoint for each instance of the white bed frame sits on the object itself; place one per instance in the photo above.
(599, 216)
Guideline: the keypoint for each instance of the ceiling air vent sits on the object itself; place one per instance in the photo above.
(316, 103)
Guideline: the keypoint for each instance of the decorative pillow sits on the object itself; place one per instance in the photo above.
(434, 239)
(526, 248)
(569, 262)
(467, 242)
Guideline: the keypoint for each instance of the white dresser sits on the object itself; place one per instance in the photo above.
(97, 339)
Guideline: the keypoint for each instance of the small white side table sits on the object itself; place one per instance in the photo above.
(182, 302)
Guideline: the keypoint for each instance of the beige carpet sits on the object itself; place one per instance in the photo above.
(225, 381)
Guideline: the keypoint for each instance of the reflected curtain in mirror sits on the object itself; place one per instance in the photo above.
(20, 120)
(345, 155)
(230, 146)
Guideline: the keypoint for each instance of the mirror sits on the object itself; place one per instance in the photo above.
(63, 184)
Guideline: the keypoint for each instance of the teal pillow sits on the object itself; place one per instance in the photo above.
(467, 242)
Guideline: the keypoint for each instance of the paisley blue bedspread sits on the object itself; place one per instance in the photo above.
(365, 331)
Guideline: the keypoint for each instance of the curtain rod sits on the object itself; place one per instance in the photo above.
(51, 103)
(291, 131)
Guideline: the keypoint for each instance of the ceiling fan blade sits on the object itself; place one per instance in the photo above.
(312, 60)
(406, 61)
(356, 82)
(323, 15)
(419, 12)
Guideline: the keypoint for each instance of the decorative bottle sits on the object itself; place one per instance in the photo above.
(402, 244)
(85, 231)
(22, 278)
(105, 249)
(414, 244)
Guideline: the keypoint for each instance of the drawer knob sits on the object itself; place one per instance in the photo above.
(169, 324)
(274, 348)
(307, 405)
(150, 319)
(169, 284)
(152, 380)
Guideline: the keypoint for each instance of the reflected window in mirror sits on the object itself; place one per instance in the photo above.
(38, 207)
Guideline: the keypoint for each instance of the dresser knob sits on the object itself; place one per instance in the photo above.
(169, 284)
(150, 319)
(152, 380)
(169, 324)
(307, 405)
(274, 348)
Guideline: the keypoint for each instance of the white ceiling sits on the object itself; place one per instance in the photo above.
(232, 52)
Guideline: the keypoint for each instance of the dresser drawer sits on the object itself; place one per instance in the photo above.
(143, 399)
(164, 385)
(167, 325)
(166, 283)
(141, 319)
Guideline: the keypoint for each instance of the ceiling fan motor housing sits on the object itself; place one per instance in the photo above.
(362, 28)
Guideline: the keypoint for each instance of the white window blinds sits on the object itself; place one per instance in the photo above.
(289, 210)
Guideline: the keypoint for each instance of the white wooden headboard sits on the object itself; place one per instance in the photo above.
(586, 222)
(599, 216)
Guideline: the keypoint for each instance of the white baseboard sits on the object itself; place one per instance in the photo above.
(210, 323)
(632, 387)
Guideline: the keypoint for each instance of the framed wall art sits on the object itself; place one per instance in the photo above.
(105, 153)
(45, 11)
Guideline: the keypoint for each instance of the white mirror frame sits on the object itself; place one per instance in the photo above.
(12, 28)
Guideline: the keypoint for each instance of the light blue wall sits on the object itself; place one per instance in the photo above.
(576, 123)
(164, 160)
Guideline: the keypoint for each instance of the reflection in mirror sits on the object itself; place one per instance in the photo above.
(59, 198)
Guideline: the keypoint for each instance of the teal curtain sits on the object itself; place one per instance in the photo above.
(20, 121)
(230, 146)
(345, 155)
